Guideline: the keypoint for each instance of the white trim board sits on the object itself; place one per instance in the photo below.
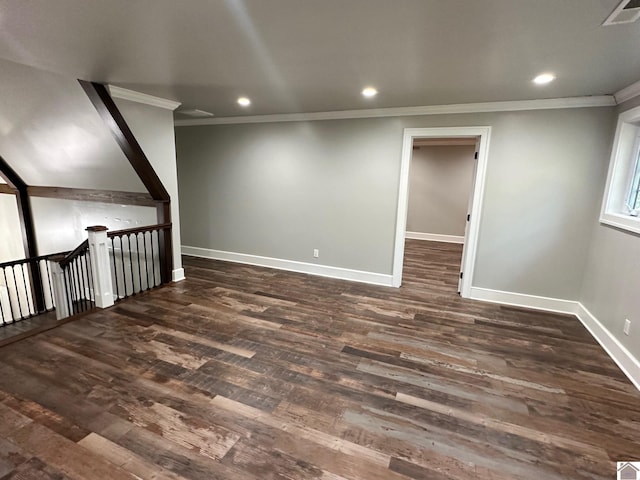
(546, 304)
(434, 237)
(512, 106)
(469, 254)
(291, 265)
(123, 93)
(177, 275)
(629, 365)
(627, 93)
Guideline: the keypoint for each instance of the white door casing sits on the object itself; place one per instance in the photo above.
(469, 207)
(483, 133)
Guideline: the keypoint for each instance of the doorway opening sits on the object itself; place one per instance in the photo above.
(479, 135)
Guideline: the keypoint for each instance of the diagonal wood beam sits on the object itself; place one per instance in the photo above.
(106, 107)
(25, 214)
(24, 207)
(108, 110)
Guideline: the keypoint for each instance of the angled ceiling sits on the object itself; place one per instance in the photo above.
(52, 135)
(308, 55)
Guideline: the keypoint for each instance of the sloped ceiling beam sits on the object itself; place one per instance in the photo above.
(108, 110)
(106, 107)
(25, 215)
(24, 207)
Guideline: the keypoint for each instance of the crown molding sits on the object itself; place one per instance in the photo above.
(627, 93)
(125, 94)
(552, 103)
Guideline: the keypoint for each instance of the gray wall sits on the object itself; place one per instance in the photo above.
(154, 131)
(612, 278)
(440, 183)
(282, 189)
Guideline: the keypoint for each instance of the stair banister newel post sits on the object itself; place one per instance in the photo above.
(100, 266)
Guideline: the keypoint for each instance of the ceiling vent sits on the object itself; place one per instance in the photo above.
(627, 12)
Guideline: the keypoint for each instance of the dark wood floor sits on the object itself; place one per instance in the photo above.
(241, 372)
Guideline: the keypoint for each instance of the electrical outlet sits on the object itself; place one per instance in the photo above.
(316, 253)
(627, 326)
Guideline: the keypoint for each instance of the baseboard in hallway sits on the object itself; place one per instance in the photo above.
(434, 237)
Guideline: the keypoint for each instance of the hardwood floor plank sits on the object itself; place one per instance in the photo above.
(35, 469)
(126, 459)
(13, 458)
(246, 373)
(64, 455)
(43, 416)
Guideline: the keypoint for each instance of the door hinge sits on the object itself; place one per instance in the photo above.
(468, 217)
(475, 157)
(461, 274)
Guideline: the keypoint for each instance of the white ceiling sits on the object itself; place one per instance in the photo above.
(316, 55)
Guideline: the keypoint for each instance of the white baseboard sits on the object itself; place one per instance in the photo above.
(434, 237)
(629, 364)
(177, 275)
(546, 304)
(291, 265)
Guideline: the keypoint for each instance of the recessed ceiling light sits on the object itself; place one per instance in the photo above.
(544, 78)
(244, 101)
(369, 92)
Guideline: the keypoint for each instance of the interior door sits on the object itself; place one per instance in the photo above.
(469, 204)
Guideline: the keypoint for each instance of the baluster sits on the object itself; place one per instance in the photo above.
(15, 284)
(29, 300)
(138, 256)
(92, 286)
(87, 273)
(153, 259)
(11, 306)
(66, 274)
(115, 269)
(81, 282)
(124, 273)
(146, 262)
(133, 283)
(2, 312)
(74, 286)
(50, 282)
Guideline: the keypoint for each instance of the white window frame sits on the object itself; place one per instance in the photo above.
(624, 157)
(634, 184)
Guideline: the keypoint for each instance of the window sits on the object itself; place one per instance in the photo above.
(621, 204)
(633, 199)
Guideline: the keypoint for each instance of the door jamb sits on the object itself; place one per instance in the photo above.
(471, 238)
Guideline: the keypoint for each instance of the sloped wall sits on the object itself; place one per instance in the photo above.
(51, 134)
